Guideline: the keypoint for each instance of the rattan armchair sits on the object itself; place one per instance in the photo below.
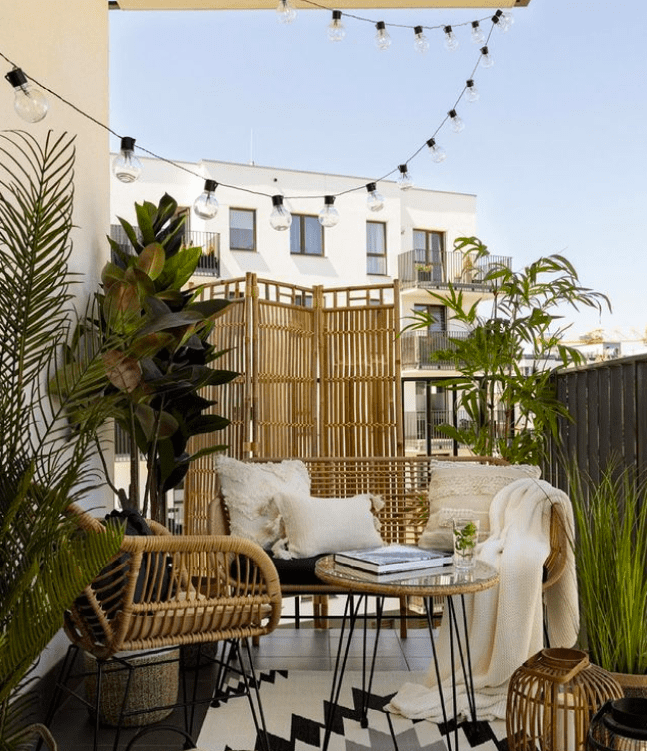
(165, 591)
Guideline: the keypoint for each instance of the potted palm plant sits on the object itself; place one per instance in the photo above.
(611, 558)
(44, 465)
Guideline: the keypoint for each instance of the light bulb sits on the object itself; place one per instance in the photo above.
(451, 42)
(457, 124)
(486, 58)
(404, 179)
(382, 38)
(206, 204)
(280, 218)
(30, 103)
(420, 43)
(471, 92)
(285, 12)
(503, 20)
(328, 216)
(438, 154)
(336, 30)
(375, 200)
(126, 167)
(478, 37)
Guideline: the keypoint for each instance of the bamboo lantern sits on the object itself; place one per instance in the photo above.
(552, 698)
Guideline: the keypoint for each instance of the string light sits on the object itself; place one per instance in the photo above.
(457, 124)
(438, 154)
(421, 43)
(126, 167)
(29, 103)
(486, 59)
(336, 29)
(375, 200)
(471, 92)
(285, 12)
(478, 37)
(503, 20)
(280, 218)
(404, 179)
(206, 204)
(328, 216)
(451, 41)
(382, 37)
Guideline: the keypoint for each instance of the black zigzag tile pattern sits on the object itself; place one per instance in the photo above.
(302, 730)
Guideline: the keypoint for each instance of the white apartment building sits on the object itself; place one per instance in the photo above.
(411, 238)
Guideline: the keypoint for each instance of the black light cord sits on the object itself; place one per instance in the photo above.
(256, 192)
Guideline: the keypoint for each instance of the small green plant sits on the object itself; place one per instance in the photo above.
(466, 537)
(510, 411)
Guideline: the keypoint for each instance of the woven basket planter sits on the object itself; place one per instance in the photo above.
(552, 698)
(634, 686)
(154, 684)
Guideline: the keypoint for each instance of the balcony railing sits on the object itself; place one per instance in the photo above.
(422, 433)
(431, 270)
(416, 348)
(209, 264)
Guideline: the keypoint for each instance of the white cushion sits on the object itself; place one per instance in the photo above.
(248, 488)
(314, 526)
(458, 489)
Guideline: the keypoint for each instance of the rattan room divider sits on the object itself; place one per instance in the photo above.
(319, 372)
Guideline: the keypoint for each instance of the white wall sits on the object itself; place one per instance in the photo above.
(344, 261)
(64, 45)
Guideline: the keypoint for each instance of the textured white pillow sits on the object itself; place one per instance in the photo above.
(248, 488)
(314, 526)
(466, 489)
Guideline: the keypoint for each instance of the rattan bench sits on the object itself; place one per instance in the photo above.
(402, 483)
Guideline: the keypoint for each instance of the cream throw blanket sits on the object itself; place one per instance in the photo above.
(505, 622)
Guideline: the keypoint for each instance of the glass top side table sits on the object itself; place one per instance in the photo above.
(444, 582)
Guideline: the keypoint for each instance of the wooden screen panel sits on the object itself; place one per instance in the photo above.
(232, 399)
(360, 374)
(284, 379)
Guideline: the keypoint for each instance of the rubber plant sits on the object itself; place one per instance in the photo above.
(160, 357)
(44, 465)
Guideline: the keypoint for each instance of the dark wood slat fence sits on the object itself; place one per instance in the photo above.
(608, 403)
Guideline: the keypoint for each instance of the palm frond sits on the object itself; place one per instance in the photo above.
(45, 561)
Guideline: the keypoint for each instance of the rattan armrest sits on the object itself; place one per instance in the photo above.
(165, 590)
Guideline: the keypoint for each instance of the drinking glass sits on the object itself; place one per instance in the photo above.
(466, 534)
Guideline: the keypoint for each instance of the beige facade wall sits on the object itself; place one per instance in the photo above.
(64, 45)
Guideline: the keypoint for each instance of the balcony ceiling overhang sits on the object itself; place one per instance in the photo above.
(340, 4)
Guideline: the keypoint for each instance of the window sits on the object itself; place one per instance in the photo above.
(306, 235)
(439, 314)
(375, 248)
(429, 252)
(242, 229)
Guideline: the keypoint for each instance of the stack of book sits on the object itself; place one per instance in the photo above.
(392, 562)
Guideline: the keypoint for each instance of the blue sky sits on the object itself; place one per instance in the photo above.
(555, 149)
